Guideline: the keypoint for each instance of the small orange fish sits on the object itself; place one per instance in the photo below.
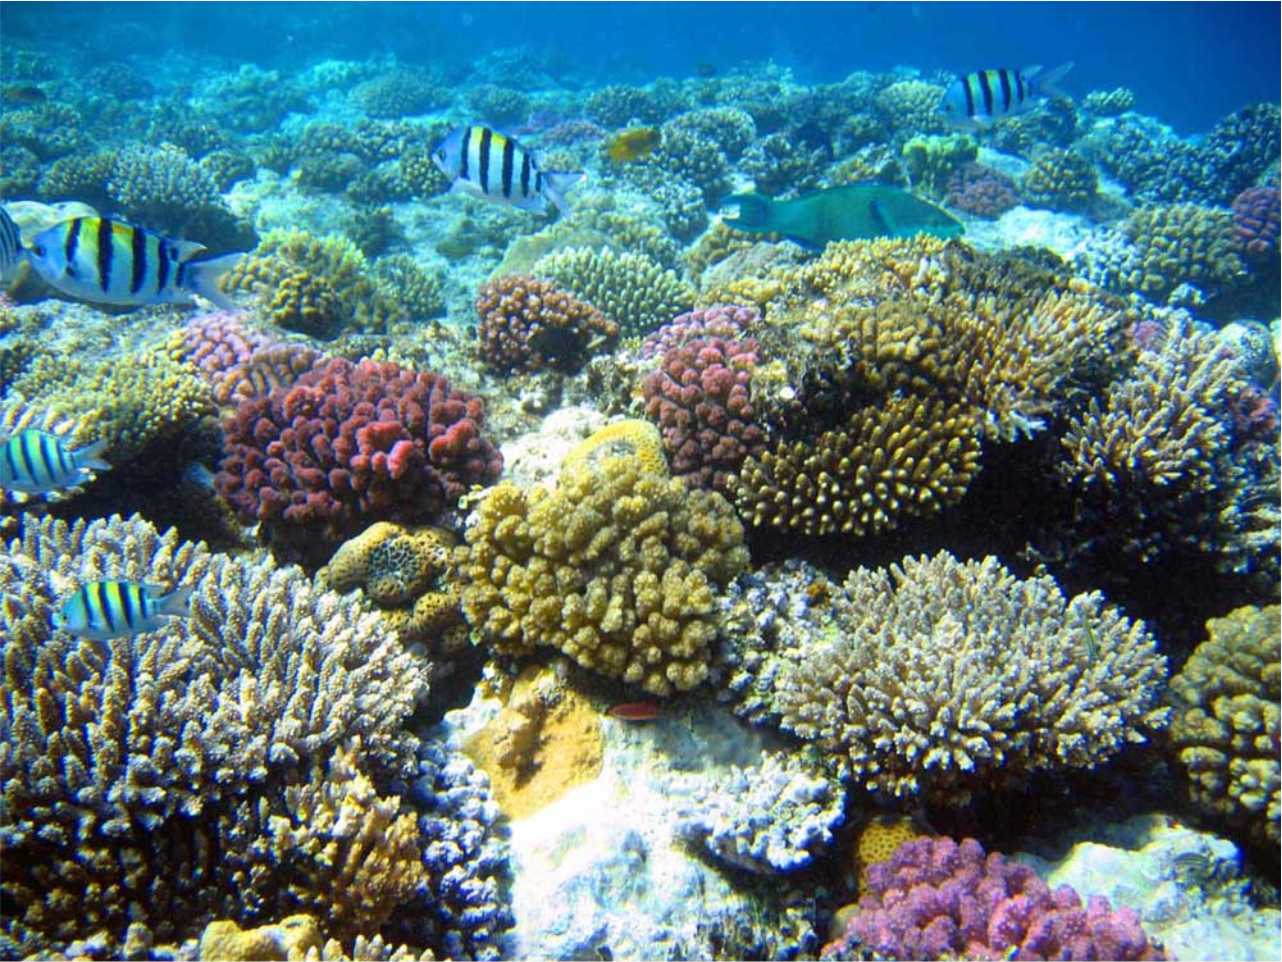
(635, 711)
(634, 144)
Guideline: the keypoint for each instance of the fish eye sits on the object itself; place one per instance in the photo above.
(38, 250)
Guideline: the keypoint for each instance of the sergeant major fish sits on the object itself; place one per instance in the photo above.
(101, 610)
(37, 462)
(979, 98)
(111, 262)
(486, 163)
(12, 252)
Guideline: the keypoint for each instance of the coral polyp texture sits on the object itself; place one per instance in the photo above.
(529, 325)
(618, 568)
(351, 443)
(1184, 244)
(1256, 223)
(129, 763)
(954, 677)
(1224, 727)
(701, 399)
(981, 191)
(938, 899)
(629, 289)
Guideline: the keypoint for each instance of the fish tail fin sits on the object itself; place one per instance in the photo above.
(1046, 84)
(556, 183)
(176, 603)
(87, 457)
(202, 278)
(752, 212)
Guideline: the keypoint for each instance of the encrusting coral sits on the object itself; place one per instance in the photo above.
(617, 568)
(145, 772)
(950, 678)
(1225, 728)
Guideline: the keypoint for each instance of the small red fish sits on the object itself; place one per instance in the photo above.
(635, 711)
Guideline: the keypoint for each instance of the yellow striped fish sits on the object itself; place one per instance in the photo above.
(37, 462)
(486, 163)
(980, 98)
(111, 262)
(112, 609)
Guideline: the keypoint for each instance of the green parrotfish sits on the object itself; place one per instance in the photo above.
(852, 212)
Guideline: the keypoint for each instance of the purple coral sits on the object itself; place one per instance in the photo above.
(720, 320)
(981, 191)
(1255, 222)
(937, 899)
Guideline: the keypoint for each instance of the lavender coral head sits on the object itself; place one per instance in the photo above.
(935, 899)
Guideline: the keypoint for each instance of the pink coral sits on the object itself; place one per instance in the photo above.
(701, 399)
(348, 444)
(937, 899)
(1255, 222)
(239, 361)
(720, 320)
(981, 191)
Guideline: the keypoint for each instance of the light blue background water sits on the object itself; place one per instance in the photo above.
(1189, 63)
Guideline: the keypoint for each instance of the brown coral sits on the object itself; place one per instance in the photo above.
(528, 325)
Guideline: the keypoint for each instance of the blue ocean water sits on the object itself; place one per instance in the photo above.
(1188, 63)
(587, 481)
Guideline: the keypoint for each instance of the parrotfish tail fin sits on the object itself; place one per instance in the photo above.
(87, 457)
(556, 183)
(751, 212)
(1046, 84)
(176, 603)
(202, 278)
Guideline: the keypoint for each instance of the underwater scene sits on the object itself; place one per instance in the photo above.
(639, 481)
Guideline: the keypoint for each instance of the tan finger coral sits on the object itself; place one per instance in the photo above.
(951, 677)
(1225, 728)
(617, 568)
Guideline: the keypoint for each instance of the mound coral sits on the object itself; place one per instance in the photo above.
(1184, 244)
(629, 289)
(616, 105)
(937, 899)
(1256, 223)
(419, 292)
(617, 568)
(1060, 180)
(932, 161)
(351, 443)
(631, 438)
(701, 400)
(528, 324)
(718, 320)
(954, 677)
(1225, 726)
(126, 764)
(399, 93)
(405, 572)
(981, 191)
(906, 457)
(165, 189)
(911, 107)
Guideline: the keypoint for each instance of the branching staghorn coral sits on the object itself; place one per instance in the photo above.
(951, 677)
(132, 770)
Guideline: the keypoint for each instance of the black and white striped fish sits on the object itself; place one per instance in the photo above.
(37, 462)
(489, 164)
(980, 98)
(12, 252)
(111, 262)
(111, 609)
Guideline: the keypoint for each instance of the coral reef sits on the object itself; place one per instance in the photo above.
(129, 763)
(911, 107)
(981, 191)
(951, 677)
(932, 161)
(399, 93)
(420, 294)
(906, 457)
(1109, 103)
(629, 289)
(773, 818)
(405, 572)
(701, 400)
(616, 568)
(937, 899)
(1060, 180)
(166, 190)
(632, 438)
(1224, 728)
(1183, 244)
(717, 320)
(1255, 224)
(617, 105)
(528, 325)
(351, 443)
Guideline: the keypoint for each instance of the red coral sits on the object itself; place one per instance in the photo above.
(701, 399)
(935, 899)
(527, 325)
(348, 444)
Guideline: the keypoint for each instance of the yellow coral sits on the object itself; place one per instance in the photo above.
(616, 568)
(878, 837)
(634, 436)
(288, 940)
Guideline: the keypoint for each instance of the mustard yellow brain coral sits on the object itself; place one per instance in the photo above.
(617, 568)
(635, 437)
(1226, 728)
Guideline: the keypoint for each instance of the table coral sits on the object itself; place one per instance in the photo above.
(629, 289)
(617, 568)
(528, 324)
(937, 899)
(127, 763)
(1225, 728)
(950, 678)
(905, 458)
(350, 443)
(701, 399)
